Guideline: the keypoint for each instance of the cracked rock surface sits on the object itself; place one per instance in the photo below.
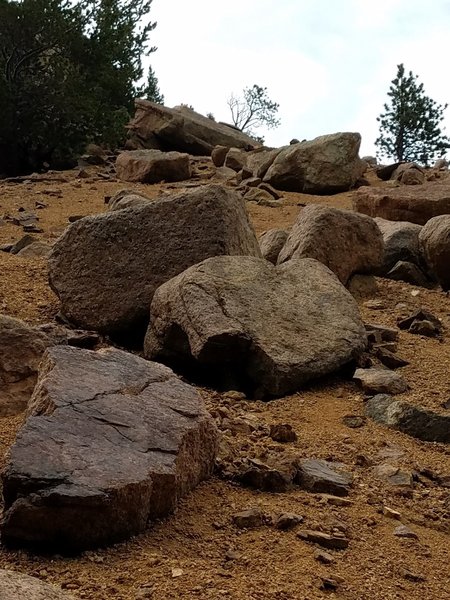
(273, 328)
(110, 442)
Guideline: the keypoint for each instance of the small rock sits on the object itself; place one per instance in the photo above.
(234, 395)
(391, 513)
(332, 542)
(380, 381)
(329, 584)
(323, 557)
(375, 304)
(282, 433)
(421, 322)
(249, 518)
(287, 521)
(336, 500)
(405, 532)
(354, 421)
(319, 476)
(394, 476)
(177, 572)
(414, 577)
(389, 359)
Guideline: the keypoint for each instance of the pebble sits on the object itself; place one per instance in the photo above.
(287, 521)
(249, 518)
(405, 532)
(391, 513)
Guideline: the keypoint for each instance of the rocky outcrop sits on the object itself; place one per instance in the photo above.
(235, 316)
(111, 441)
(326, 165)
(416, 204)
(271, 242)
(345, 242)
(153, 166)
(106, 268)
(435, 243)
(17, 586)
(182, 129)
(21, 349)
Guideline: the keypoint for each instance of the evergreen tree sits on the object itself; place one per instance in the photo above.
(151, 91)
(68, 76)
(410, 124)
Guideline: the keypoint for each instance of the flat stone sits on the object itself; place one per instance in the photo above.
(405, 532)
(389, 359)
(320, 476)
(332, 542)
(413, 420)
(287, 521)
(380, 381)
(249, 518)
(394, 476)
(149, 442)
(415, 204)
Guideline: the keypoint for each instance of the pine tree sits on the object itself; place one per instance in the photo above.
(151, 91)
(410, 124)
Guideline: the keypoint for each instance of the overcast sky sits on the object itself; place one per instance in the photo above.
(328, 63)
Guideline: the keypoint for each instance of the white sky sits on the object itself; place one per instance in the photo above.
(328, 63)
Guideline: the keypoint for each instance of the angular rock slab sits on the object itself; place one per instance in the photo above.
(272, 328)
(415, 204)
(153, 166)
(344, 241)
(325, 165)
(413, 420)
(17, 586)
(111, 441)
(106, 268)
(435, 243)
(380, 381)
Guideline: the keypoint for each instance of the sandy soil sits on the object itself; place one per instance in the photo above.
(198, 553)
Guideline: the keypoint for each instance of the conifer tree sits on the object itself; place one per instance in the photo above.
(410, 126)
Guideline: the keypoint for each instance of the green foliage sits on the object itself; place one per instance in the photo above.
(410, 125)
(151, 91)
(253, 110)
(68, 73)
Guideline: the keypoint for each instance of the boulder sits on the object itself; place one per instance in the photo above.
(106, 268)
(326, 165)
(17, 586)
(409, 174)
(153, 166)
(21, 349)
(181, 129)
(259, 161)
(235, 159)
(435, 243)
(409, 272)
(272, 329)
(416, 204)
(271, 242)
(401, 242)
(218, 155)
(345, 242)
(111, 441)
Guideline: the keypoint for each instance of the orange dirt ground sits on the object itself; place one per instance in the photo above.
(198, 553)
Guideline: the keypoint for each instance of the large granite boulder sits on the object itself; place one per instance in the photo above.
(401, 242)
(435, 243)
(17, 586)
(344, 241)
(153, 166)
(21, 349)
(111, 441)
(270, 328)
(416, 203)
(326, 165)
(182, 129)
(106, 268)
